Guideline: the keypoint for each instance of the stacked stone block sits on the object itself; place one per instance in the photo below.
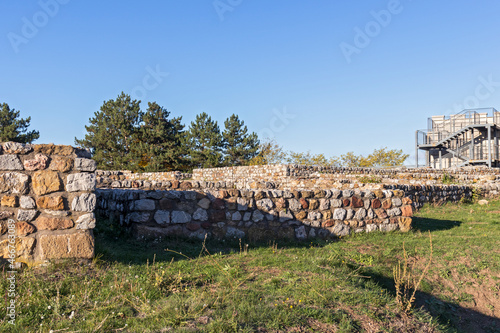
(48, 190)
(256, 215)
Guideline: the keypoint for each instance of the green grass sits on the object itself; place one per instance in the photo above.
(346, 285)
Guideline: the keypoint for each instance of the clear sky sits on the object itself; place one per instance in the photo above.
(325, 76)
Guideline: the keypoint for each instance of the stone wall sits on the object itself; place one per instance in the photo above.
(256, 215)
(47, 200)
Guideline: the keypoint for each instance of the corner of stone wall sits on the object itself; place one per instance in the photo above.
(47, 201)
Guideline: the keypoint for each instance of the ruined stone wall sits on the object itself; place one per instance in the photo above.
(256, 215)
(47, 201)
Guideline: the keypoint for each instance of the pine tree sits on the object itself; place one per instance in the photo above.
(13, 128)
(239, 146)
(112, 134)
(204, 142)
(161, 143)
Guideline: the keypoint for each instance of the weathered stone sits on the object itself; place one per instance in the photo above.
(314, 216)
(242, 203)
(137, 217)
(193, 226)
(86, 221)
(294, 205)
(304, 203)
(247, 216)
(388, 227)
(336, 203)
(313, 204)
(179, 216)
(45, 182)
(80, 182)
(405, 224)
(232, 232)
(379, 194)
(376, 204)
(347, 193)
(200, 215)
(371, 227)
(162, 217)
(51, 149)
(217, 216)
(319, 194)
(3, 227)
(394, 212)
(360, 214)
(346, 202)
(396, 202)
(327, 214)
(14, 182)
(324, 204)
(328, 223)
(26, 215)
(236, 216)
(6, 214)
(300, 233)
(60, 213)
(350, 213)
(387, 204)
(144, 204)
(265, 204)
(257, 216)
(204, 203)
(52, 203)
(281, 203)
(62, 164)
(9, 201)
(79, 245)
(24, 247)
(16, 148)
(53, 223)
(370, 214)
(407, 211)
(85, 164)
(339, 214)
(186, 185)
(357, 202)
(38, 163)
(381, 213)
(285, 216)
(27, 202)
(341, 230)
(301, 215)
(84, 203)
(10, 162)
(166, 204)
(24, 228)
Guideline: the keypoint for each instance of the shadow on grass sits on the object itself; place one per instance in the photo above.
(448, 314)
(424, 224)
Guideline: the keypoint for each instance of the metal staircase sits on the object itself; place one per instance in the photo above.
(467, 138)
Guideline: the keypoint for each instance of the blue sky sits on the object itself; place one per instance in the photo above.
(325, 76)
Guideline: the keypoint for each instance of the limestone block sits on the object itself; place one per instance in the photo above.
(394, 212)
(9, 201)
(257, 216)
(79, 245)
(53, 223)
(339, 214)
(60, 163)
(236, 216)
(10, 162)
(26, 215)
(232, 232)
(200, 215)
(85, 164)
(24, 247)
(14, 182)
(360, 214)
(16, 148)
(265, 204)
(80, 182)
(86, 221)
(27, 202)
(45, 182)
(294, 205)
(341, 230)
(300, 233)
(84, 203)
(24, 228)
(179, 216)
(144, 204)
(52, 203)
(38, 163)
(162, 217)
(204, 203)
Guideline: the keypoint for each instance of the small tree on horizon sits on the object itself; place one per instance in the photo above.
(239, 145)
(204, 142)
(14, 128)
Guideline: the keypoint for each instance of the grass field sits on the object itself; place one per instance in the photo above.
(345, 285)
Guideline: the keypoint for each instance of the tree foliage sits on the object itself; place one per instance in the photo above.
(14, 128)
(239, 145)
(204, 142)
(112, 134)
(269, 152)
